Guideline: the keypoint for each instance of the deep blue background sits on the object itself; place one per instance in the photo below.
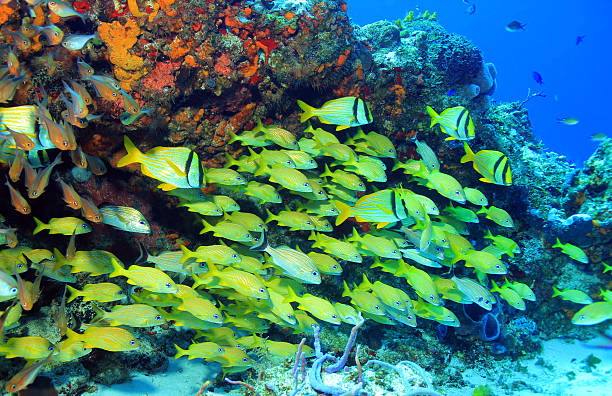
(577, 79)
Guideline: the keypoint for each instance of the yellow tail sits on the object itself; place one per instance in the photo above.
(133, 154)
(345, 212)
(469, 154)
(308, 111)
(39, 226)
(434, 116)
(74, 293)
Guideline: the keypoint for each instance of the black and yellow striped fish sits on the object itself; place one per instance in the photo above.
(492, 165)
(345, 112)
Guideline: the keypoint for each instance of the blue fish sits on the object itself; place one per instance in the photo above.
(537, 77)
(579, 39)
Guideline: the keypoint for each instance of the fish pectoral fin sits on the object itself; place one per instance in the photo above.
(131, 282)
(167, 187)
(485, 180)
(176, 169)
(381, 225)
(342, 127)
(451, 138)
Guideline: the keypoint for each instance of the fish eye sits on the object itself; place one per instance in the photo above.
(398, 302)
(19, 265)
(306, 185)
(202, 265)
(334, 316)
(234, 256)
(132, 342)
(335, 267)
(497, 266)
(262, 290)
(13, 290)
(308, 223)
(13, 386)
(141, 222)
(158, 317)
(35, 193)
(377, 307)
(245, 359)
(50, 348)
(84, 226)
(360, 184)
(114, 93)
(220, 349)
(320, 193)
(431, 298)
(315, 273)
(216, 316)
(120, 292)
(75, 203)
(168, 285)
(239, 178)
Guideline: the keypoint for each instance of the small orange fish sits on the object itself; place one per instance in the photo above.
(84, 69)
(8, 87)
(71, 197)
(9, 236)
(25, 377)
(28, 295)
(21, 41)
(22, 141)
(37, 188)
(90, 211)
(78, 88)
(13, 63)
(78, 158)
(16, 166)
(106, 87)
(57, 133)
(18, 201)
(30, 173)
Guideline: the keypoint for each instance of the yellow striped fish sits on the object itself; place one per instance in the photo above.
(375, 246)
(430, 160)
(482, 261)
(295, 264)
(440, 314)
(134, 315)
(96, 262)
(245, 283)
(347, 313)
(446, 185)
(263, 192)
(29, 347)
(228, 230)
(171, 261)
(345, 112)
(498, 215)
(420, 281)
(475, 292)
(492, 165)
(345, 179)
(335, 247)
(388, 295)
(511, 296)
(301, 159)
(454, 121)
(316, 306)
(113, 339)
(291, 179)
(381, 144)
(101, 292)
(202, 309)
(372, 169)
(205, 208)
(294, 220)
(176, 167)
(69, 350)
(224, 176)
(383, 207)
(63, 225)
(475, 197)
(250, 221)
(148, 278)
(202, 350)
(187, 320)
(217, 254)
(277, 135)
(125, 218)
(365, 301)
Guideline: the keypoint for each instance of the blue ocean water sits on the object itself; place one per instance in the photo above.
(576, 78)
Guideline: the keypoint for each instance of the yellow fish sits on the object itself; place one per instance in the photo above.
(29, 347)
(218, 254)
(134, 315)
(454, 121)
(345, 179)
(335, 247)
(109, 338)
(203, 350)
(148, 278)
(592, 314)
(228, 230)
(101, 292)
(63, 225)
(243, 282)
(345, 112)
(492, 165)
(366, 302)
(499, 216)
(202, 309)
(316, 306)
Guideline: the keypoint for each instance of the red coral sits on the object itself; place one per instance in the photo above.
(222, 65)
(82, 5)
(161, 77)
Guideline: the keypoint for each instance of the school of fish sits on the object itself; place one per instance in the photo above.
(240, 283)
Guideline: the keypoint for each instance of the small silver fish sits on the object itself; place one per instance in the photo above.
(125, 218)
(76, 42)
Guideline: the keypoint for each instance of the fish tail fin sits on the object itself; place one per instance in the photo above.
(39, 226)
(118, 270)
(71, 334)
(345, 212)
(355, 237)
(234, 137)
(99, 313)
(346, 292)
(263, 242)
(179, 352)
(558, 244)
(556, 292)
(271, 216)
(74, 293)
(262, 170)
(291, 296)
(327, 172)
(482, 210)
(495, 288)
(260, 126)
(308, 111)
(365, 285)
(207, 227)
(133, 154)
(434, 116)
(489, 235)
(309, 128)
(402, 268)
(360, 135)
(397, 165)
(187, 254)
(469, 154)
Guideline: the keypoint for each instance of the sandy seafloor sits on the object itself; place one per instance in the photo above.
(547, 374)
